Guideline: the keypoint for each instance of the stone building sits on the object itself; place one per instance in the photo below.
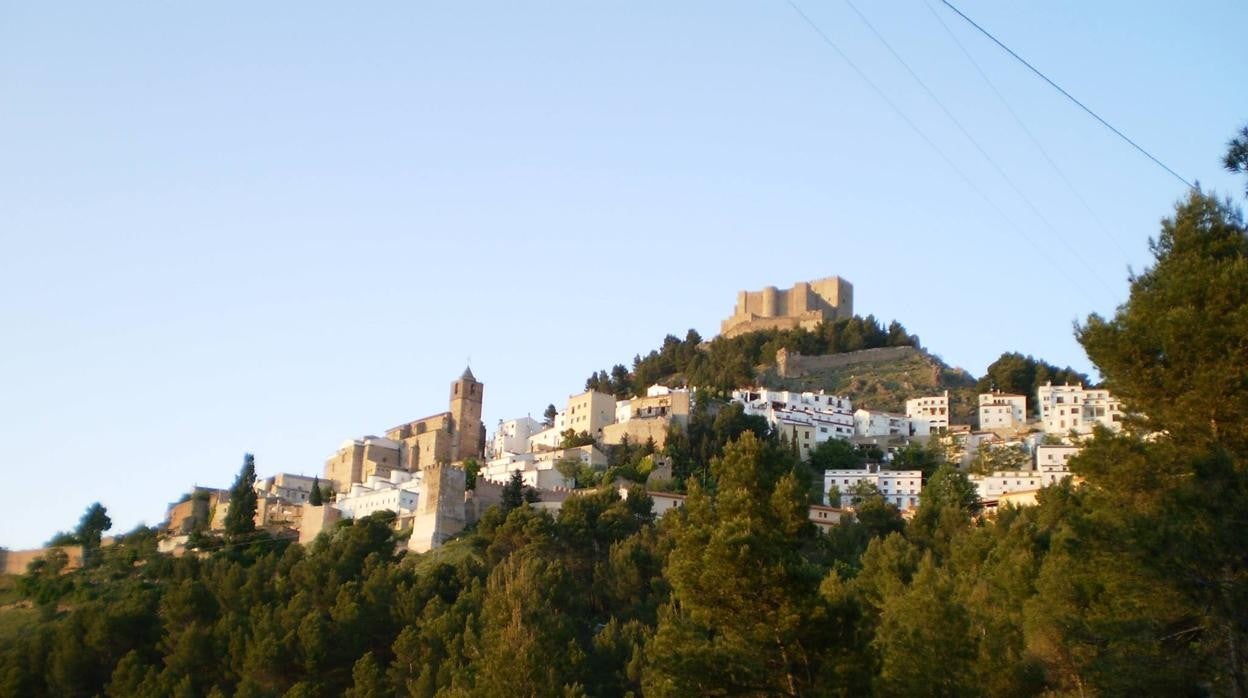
(805, 305)
(446, 437)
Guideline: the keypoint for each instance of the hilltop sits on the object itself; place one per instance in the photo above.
(876, 367)
(876, 379)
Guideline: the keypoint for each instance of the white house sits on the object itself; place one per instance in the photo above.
(1055, 457)
(899, 487)
(876, 423)
(398, 493)
(290, 488)
(512, 436)
(1002, 410)
(812, 417)
(929, 415)
(1066, 408)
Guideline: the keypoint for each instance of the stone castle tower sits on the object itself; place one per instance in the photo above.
(467, 429)
(440, 511)
(805, 305)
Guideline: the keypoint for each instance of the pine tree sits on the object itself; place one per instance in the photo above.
(241, 518)
(315, 498)
(90, 527)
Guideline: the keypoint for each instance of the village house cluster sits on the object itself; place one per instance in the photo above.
(416, 470)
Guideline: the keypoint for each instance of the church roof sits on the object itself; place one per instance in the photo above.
(468, 374)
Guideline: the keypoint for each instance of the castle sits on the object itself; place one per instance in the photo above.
(446, 437)
(805, 305)
(416, 458)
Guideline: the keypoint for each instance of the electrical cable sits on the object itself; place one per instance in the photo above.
(948, 161)
(1030, 136)
(974, 142)
(1069, 96)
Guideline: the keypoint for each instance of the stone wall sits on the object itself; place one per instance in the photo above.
(805, 305)
(16, 561)
(790, 364)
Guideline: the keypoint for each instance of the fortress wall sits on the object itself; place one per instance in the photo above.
(794, 365)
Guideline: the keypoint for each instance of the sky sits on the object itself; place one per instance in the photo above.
(269, 227)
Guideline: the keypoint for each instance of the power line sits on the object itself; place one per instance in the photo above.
(970, 137)
(1030, 136)
(1069, 96)
(948, 161)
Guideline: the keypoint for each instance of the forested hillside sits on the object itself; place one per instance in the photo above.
(1135, 583)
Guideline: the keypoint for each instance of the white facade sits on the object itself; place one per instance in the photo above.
(512, 436)
(1055, 457)
(398, 493)
(814, 417)
(899, 487)
(929, 415)
(1066, 408)
(876, 423)
(1002, 411)
(540, 470)
(290, 488)
(623, 411)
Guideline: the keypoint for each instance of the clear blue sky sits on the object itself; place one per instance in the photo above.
(269, 227)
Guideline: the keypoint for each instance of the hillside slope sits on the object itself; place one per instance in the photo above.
(877, 379)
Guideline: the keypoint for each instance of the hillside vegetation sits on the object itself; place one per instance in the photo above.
(1132, 583)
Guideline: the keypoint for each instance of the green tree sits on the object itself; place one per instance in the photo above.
(515, 492)
(472, 468)
(240, 520)
(947, 505)
(316, 498)
(918, 456)
(745, 615)
(836, 454)
(924, 639)
(990, 458)
(1174, 353)
(90, 528)
(548, 417)
(1236, 159)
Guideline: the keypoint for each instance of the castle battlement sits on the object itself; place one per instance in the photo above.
(805, 305)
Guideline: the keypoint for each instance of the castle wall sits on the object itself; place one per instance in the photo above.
(806, 304)
(790, 364)
(637, 431)
(440, 510)
(16, 561)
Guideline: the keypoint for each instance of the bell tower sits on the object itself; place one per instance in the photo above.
(467, 429)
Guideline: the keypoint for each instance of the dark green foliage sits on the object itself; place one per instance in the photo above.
(516, 493)
(240, 520)
(836, 454)
(1132, 583)
(472, 468)
(726, 363)
(926, 457)
(1021, 375)
(316, 498)
(570, 438)
(1236, 159)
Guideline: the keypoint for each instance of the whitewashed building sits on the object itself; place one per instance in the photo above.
(1002, 410)
(294, 489)
(928, 415)
(398, 493)
(877, 423)
(812, 417)
(1055, 457)
(1067, 408)
(899, 487)
(513, 435)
